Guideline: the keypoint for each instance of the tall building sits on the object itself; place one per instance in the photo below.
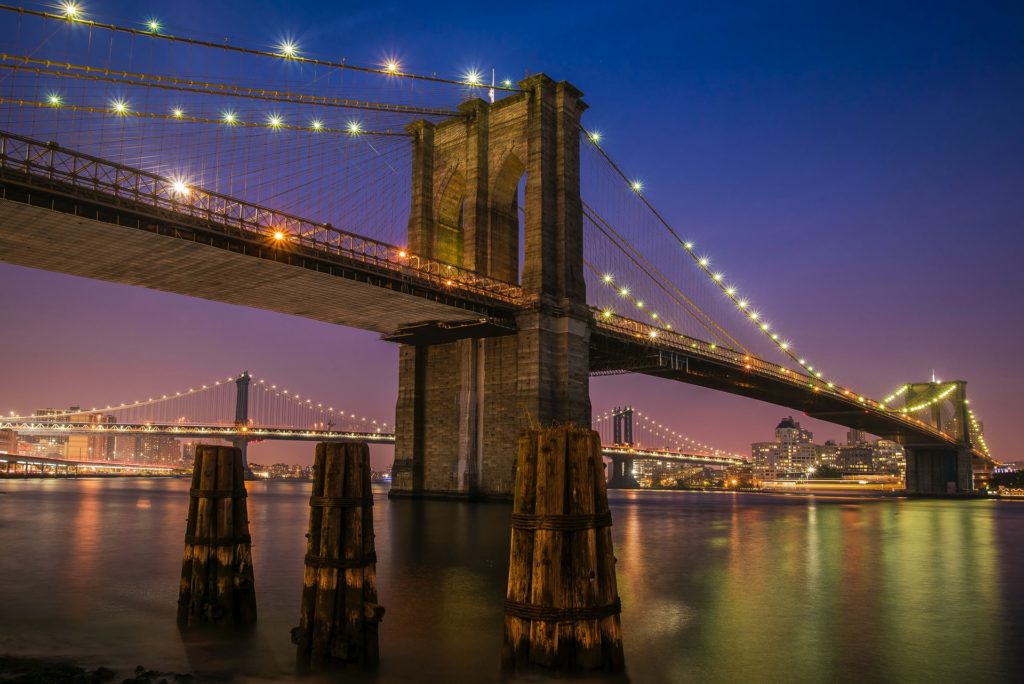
(8, 442)
(792, 453)
(855, 437)
(89, 447)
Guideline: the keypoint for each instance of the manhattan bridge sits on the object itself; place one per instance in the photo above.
(475, 221)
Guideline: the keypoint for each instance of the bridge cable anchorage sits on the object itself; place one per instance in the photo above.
(658, 278)
(46, 67)
(270, 125)
(703, 263)
(286, 50)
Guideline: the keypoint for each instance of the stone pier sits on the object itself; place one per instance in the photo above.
(463, 402)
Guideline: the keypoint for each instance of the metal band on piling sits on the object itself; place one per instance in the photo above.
(561, 523)
(341, 501)
(216, 493)
(341, 563)
(529, 611)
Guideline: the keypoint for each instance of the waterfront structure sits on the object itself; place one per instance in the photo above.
(794, 454)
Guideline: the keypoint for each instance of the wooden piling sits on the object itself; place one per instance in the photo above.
(562, 605)
(217, 587)
(340, 613)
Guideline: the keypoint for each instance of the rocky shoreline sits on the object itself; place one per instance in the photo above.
(14, 670)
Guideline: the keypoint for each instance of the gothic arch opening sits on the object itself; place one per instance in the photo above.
(451, 219)
(506, 224)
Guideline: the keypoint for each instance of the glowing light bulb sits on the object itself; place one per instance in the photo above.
(54, 100)
(179, 187)
(688, 246)
(704, 261)
(717, 277)
(624, 292)
(730, 291)
(652, 334)
(72, 10)
(607, 278)
(473, 77)
(229, 118)
(637, 186)
(288, 49)
(275, 121)
(153, 25)
(177, 113)
(391, 66)
(607, 313)
(279, 235)
(507, 83)
(354, 127)
(595, 136)
(120, 107)
(639, 305)
(316, 125)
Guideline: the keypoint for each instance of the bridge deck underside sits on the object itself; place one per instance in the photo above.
(49, 231)
(610, 351)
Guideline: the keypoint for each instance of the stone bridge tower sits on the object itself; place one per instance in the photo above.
(462, 403)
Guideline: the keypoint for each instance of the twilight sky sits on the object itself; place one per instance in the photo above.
(858, 166)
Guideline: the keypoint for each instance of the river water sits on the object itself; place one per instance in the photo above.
(715, 587)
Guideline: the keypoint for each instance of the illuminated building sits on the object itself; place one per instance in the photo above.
(8, 442)
(789, 456)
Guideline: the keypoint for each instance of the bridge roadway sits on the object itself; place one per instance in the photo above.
(77, 214)
(231, 432)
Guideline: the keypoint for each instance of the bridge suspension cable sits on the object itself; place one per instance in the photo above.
(659, 279)
(130, 405)
(48, 67)
(274, 404)
(649, 428)
(285, 50)
(704, 262)
(123, 109)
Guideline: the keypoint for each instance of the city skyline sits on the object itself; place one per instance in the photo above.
(799, 172)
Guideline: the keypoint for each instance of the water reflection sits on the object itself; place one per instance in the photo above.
(715, 587)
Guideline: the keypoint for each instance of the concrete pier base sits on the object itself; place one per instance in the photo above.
(939, 472)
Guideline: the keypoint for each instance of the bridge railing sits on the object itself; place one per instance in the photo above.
(234, 216)
(693, 346)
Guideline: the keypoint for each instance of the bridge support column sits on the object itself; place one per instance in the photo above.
(462, 404)
(621, 476)
(936, 471)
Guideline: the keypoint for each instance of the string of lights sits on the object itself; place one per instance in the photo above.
(75, 12)
(274, 122)
(132, 404)
(283, 394)
(660, 280)
(663, 432)
(704, 262)
(44, 67)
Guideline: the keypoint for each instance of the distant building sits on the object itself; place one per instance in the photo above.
(792, 453)
(8, 442)
(89, 447)
(147, 449)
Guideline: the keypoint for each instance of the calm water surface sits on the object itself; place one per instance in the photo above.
(715, 587)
